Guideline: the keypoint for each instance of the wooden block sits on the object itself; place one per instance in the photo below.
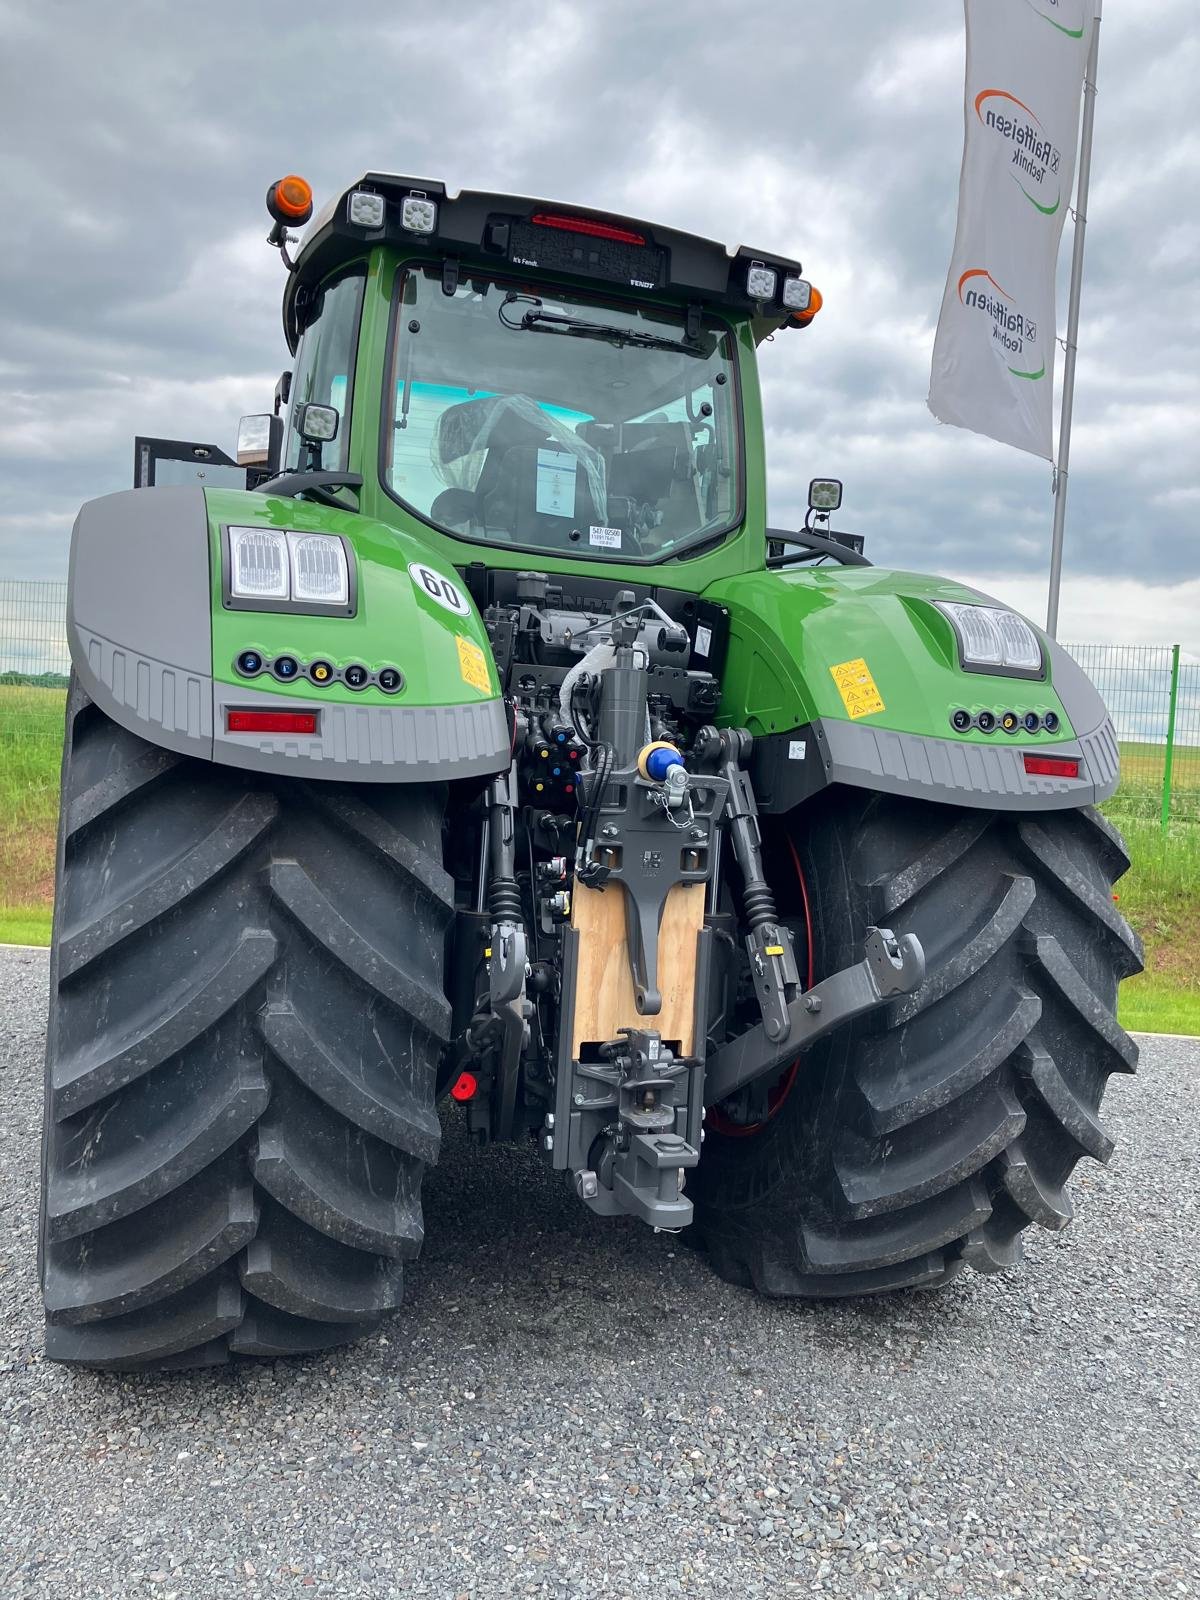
(604, 1000)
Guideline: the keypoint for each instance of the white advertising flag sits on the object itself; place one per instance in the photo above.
(993, 357)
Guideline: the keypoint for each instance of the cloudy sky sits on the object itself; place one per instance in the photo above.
(137, 294)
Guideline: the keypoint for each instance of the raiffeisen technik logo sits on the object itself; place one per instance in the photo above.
(1016, 333)
(1068, 16)
(1035, 161)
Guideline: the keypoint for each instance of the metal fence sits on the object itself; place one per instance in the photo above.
(1152, 691)
(1153, 696)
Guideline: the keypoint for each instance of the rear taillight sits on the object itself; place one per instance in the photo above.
(1052, 766)
(271, 721)
(594, 230)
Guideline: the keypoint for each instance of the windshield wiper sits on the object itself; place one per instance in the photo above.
(537, 320)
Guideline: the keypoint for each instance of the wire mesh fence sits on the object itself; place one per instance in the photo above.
(1153, 696)
(34, 668)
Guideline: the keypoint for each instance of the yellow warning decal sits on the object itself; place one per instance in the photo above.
(472, 663)
(857, 687)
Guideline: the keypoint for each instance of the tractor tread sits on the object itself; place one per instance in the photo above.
(337, 1178)
(900, 1093)
(170, 1020)
(113, 922)
(929, 1136)
(247, 1018)
(904, 1169)
(195, 1316)
(320, 918)
(372, 1097)
(124, 1266)
(296, 1269)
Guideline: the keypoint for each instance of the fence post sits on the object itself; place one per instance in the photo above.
(1170, 757)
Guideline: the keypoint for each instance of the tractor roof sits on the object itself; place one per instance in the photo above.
(529, 235)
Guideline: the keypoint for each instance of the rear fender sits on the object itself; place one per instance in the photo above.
(154, 640)
(850, 675)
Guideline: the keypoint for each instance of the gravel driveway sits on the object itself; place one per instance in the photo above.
(570, 1407)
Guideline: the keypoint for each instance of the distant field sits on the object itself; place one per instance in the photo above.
(1160, 895)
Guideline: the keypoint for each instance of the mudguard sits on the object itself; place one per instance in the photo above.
(155, 641)
(851, 675)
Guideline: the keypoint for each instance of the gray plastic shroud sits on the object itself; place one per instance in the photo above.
(993, 774)
(139, 628)
(380, 744)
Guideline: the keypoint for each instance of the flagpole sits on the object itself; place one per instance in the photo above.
(1068, 394)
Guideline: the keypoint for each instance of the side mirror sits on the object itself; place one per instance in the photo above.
(824, 495)
(283, 392)
(260, 442)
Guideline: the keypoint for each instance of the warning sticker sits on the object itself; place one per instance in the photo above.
(860, 696)
(472, 663)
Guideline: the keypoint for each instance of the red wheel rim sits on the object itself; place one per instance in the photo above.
(715, 1118)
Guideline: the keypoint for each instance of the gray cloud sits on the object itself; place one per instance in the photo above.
(136, 293)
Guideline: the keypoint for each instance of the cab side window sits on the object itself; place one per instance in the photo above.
(325, 366)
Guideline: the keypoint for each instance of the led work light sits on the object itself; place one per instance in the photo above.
(418, 213)
(365, 210)
(761, 281)
(797, 292)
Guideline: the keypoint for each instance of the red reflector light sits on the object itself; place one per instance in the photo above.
(270, 722)
(594, 230)
(464, 1087)
(1052, 766)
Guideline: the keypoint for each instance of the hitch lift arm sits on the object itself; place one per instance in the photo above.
(890, 967)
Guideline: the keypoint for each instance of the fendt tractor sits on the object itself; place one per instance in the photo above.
(470, 735)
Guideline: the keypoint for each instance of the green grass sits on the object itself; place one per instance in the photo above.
(1160, 895)
(25, 924)
(31, 728)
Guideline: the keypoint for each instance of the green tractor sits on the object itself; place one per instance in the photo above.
(473, 736)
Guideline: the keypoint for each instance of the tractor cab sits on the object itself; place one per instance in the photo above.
(517, 376)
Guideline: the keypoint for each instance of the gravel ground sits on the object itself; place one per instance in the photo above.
(568, 1407)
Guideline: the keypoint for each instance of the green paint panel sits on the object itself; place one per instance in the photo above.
(397, 624)
(788, 629)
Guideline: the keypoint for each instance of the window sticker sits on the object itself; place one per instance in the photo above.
(556, 483)
(857, 687)
(472, 664)
(435, 587)
(610, 538)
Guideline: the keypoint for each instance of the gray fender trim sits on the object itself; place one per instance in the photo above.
(365, 743)
(962, 774)
(140, 571)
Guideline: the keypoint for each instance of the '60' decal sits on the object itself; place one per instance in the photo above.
(438, 588)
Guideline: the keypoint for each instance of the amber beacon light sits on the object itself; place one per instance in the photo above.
(290, 199)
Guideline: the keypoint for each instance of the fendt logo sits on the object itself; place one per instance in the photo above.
(1068, 16)
(1016, 333)
(1035, 161)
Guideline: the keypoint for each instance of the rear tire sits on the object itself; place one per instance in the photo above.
(246, 1020)
(932, 1134)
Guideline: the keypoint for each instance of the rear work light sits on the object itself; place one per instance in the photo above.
(271, 722)
(594, 230)
(1052, 766)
